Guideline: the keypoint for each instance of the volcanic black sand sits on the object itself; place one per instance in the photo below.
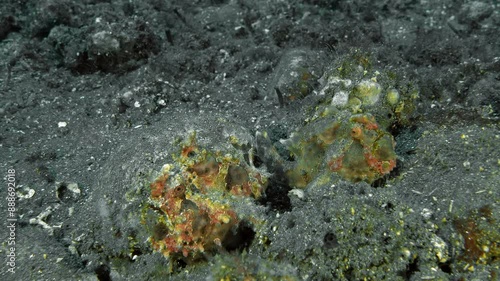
(97, 96)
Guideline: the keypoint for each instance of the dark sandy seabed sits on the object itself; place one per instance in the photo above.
(96, 96)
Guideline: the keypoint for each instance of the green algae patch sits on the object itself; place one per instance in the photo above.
(481, 236)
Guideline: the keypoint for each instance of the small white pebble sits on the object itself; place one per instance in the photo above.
(297, 192)
(426, 213)
(127, 95)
